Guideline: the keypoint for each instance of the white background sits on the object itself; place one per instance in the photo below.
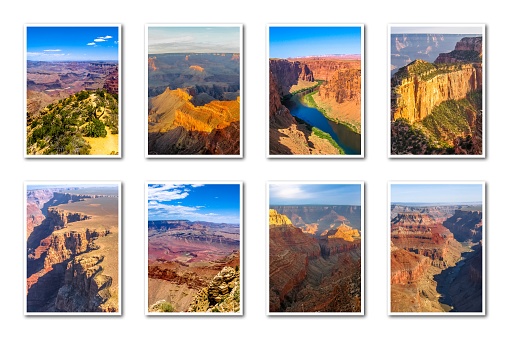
(255, 169)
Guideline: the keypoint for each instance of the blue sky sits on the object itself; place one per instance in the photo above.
(468, 30)
(291, 42)
(77, 43)
(436, 193)
(195, 202)
(212, 39)
(315, 194)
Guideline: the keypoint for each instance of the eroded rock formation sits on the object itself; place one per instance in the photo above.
(177, 126)
(416, 92)
(221, 295)
(64, 260)
(310, 274)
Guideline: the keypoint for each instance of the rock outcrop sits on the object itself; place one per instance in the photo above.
(276, 219)
(420, 86)
(467, 50)
(221, 295)
(177, 126)
(86, 288)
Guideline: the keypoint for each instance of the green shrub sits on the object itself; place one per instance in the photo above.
(95, 129)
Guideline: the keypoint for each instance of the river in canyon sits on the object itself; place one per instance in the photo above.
(348, 140)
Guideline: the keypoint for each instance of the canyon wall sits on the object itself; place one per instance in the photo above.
(343, 85)
(466, 225)
(288, 73)
(415, 93)
(310, 274)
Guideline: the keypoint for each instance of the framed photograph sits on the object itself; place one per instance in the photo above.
(72, 86)
(194, 91)
(193, 248)
(437, 91)
(437, 248)
(315, 238)
(315, 76)
(73, 248)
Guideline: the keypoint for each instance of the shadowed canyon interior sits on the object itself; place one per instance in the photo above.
(436, 258)
(315, 258)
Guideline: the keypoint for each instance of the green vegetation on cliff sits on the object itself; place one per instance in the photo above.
(60, 127)
(308, 100)
(323, 135)
(424, 70)
(448, 125)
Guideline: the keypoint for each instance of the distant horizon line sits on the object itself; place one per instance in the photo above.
(439, 203)
(313, 205)
(195, 53)
(91, 60)
(212, 222)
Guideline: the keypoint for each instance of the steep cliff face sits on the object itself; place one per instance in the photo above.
(466, 50)
(466, 225)
(86, 288)
(407, 267)
(276, 219)
(288, 73)
(420, 86)
(36, 200)
(344, 85)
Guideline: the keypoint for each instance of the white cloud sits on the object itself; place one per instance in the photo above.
(166, 192)
(99, 40)
(91, 44)
(288, 191)
(197, 185)
(52, 50)
(108, 37)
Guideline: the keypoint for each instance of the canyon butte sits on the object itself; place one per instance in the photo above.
(194, 104)
(436, 105)
(436, 258)
(72, 238)
(193, 266)
(315, 259)
(330, 86)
